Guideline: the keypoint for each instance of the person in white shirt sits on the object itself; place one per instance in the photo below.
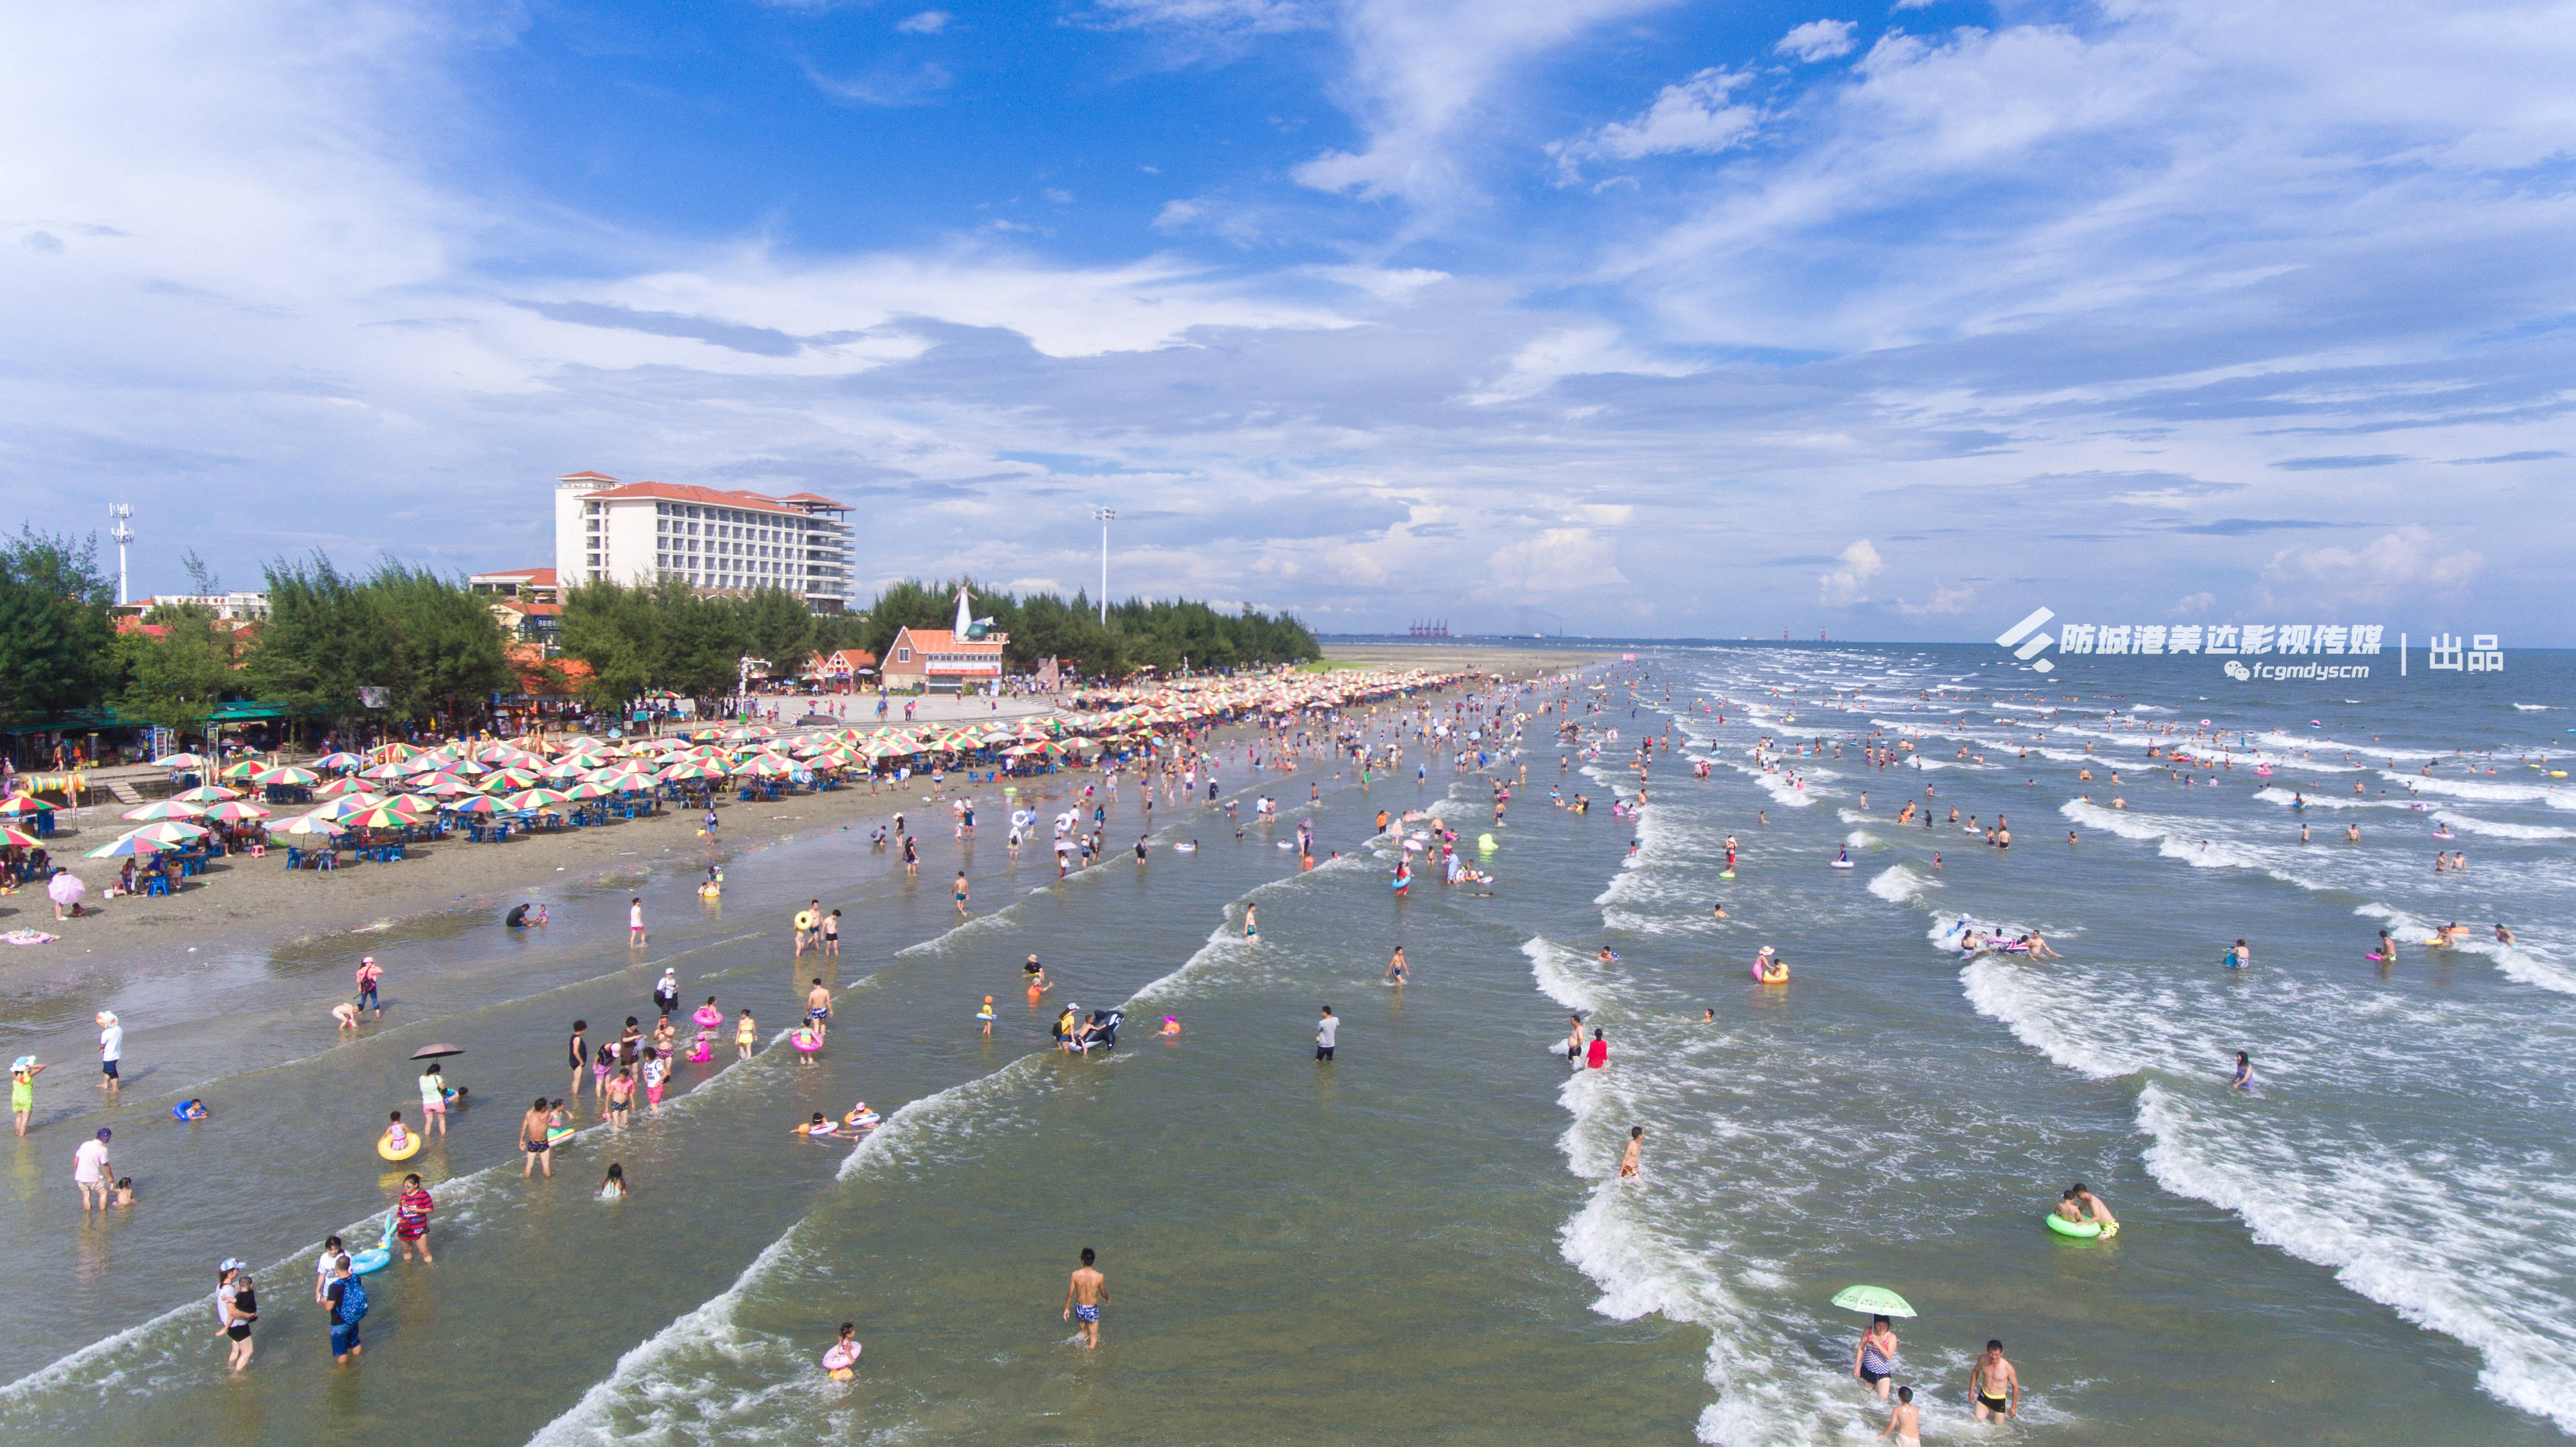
(93, 1171)
(1326, 1029)
(111, 1049)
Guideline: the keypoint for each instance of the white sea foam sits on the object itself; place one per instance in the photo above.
(1564, 975)
(656, 1391)
(2444, 1249)
(1899, 885)
(2501, 829)
(2476, 789)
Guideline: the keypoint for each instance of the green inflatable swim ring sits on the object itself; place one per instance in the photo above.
(2080, 1230)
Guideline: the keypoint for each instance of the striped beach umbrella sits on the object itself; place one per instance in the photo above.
(129, 844)
(166, 809)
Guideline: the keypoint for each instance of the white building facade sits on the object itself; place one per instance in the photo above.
(716, 541)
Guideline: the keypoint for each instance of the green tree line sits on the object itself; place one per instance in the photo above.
(400, 643)
(1140, 633)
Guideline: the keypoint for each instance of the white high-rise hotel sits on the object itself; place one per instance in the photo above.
(639, 532)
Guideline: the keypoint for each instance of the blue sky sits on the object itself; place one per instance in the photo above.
(1620, 316)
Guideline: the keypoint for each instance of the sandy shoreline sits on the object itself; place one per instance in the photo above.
(242, 901)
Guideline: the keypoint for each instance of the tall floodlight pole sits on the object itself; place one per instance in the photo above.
(120, 512)
(1106, 517)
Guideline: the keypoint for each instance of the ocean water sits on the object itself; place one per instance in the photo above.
(1426, 1238)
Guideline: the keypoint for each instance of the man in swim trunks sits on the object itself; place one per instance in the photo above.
(1628, 1159)
(818, 1008)
(1084, 1294)
(533, 1143)
(2089, 1207)
(1994, 1388)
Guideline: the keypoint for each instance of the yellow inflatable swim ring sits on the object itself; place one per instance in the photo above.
(410, 1147)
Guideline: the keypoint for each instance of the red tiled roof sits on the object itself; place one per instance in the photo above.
(585, 477)
(682, 492)
(932, 640)
(533, 577)
(814, 497)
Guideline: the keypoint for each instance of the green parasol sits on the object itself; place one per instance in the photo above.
(1876, 1300)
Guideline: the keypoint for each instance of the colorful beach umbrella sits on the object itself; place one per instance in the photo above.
(179, 761)
(11, 834)
(207, 794)
(169, 831)
(314, 823)
(166, 809)
(236, 811)
(284, 774)
(380, 816)
(129, 844)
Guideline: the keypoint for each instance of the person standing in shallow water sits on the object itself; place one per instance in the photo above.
(1874, 1360)
(1085, 1292)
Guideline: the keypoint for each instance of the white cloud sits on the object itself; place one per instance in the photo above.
(1557, 560)
(1849, 583)
(928, 22)
(2406, 563)
(1210, 17)
(1572, 351)
(891, 86)
(2192, 605)
(1944, 599)
(1693, 116)
(1058, 195)
(1424, 73)
(1818, 40)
